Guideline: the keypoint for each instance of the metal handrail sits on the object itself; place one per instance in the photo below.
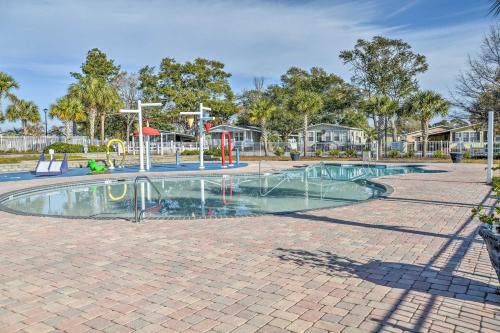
(139, 214)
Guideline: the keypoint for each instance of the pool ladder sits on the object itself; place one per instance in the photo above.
(139, 212)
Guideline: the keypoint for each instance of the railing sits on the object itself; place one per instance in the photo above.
(139, 213)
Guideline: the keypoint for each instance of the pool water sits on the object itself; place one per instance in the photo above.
(313, 187)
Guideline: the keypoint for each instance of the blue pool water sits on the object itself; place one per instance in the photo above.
(14, 176)
(313, 187)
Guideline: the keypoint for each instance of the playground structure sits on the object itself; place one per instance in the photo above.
(147, 132)
(94, 167)
(203, 116)
(229, 148)
(51, 167)
(138, 111)
(121, 144)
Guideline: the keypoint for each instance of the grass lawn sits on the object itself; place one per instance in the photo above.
(19, 159)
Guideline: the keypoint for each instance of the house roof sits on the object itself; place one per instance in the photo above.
(334, 125)
(233, 128)
(445, 129)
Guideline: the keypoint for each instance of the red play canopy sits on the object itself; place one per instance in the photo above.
(147, 131)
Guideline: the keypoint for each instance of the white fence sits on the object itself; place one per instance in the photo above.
(36, 143)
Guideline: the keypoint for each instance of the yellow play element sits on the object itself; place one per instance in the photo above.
(108, 153)
(120, 197)
(190, 121)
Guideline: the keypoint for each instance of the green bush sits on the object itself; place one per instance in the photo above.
(279, 151)
(438, 154)
(318, 152)
(97, 149)
(334, 153)
(62, 147)
(190, 152)
(214, 151)
(350, 152)
(466, 154)
(393, 153)
(410, 154)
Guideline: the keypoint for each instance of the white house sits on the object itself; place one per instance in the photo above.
(243, 136)
(331, 135)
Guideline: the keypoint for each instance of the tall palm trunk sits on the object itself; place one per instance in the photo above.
(394, 129)
(380, 134)
(103, 118)
(263, 137)
(306, 121)
(24, 126)
(425, 135)
(92, 115)
(67, 131)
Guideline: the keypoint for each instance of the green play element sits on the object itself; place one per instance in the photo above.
(92, 165)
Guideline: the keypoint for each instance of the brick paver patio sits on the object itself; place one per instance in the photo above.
(409, 262)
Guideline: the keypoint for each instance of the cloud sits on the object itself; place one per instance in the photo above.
(42, 41)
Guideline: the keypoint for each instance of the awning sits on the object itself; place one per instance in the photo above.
(148, 131)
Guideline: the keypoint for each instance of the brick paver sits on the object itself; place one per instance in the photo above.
(409, 262)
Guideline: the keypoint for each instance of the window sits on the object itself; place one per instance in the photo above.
(465, 136)
(318, 137)
(328, 136)
(474, 136)
(238, 136)
(310, 136)
(336, 136)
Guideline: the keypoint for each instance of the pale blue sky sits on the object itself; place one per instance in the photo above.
(43, 40)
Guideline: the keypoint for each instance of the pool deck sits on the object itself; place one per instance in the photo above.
(410, 262)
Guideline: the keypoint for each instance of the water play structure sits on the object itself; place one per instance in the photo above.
(138, 111)
(147, 132)
(229, 148)
(204, 117)
(94, 167)
(122, 152)
(51, 167)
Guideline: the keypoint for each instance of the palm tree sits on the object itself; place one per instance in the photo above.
(25, 111)
(306, 103)
(424, 106)
(7, 83)
(495, 7)
(380, 108)
(260, 112)
(370, 134)
(95, 95)
(111, 104)
(68, 109)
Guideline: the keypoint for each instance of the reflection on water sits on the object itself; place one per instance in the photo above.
(214, 196)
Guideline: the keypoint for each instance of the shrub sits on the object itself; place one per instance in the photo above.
(190, 152)
(467, 154)
(350, 152)
(318, 152)
(393, 153)
(410, 154)
(438, 154)
(62, 147)
(97, 149)
(334, 153)
(279, 151)
(214, 151)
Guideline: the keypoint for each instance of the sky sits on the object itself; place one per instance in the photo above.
(42, 41)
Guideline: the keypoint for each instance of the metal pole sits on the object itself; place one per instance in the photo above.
(491, 147)
(202, 135)
(141, 139)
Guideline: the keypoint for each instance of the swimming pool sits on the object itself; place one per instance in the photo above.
(313, 187)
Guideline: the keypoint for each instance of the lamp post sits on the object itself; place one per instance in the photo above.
(141, 139)
(491, 146)
(45, 111)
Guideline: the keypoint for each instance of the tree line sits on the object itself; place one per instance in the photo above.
(383, 97)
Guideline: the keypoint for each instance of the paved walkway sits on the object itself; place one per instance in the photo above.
(410, 262)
